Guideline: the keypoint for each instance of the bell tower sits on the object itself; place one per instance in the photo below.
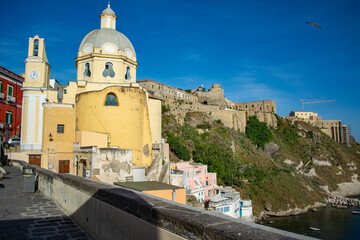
(35, 86)
(37, 68)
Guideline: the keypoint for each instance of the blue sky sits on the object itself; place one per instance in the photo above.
(256, 50)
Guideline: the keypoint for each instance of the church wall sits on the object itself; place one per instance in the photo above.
(155, 120)
(87, 138)
(97, 66)
(61, 145)
(127, 125)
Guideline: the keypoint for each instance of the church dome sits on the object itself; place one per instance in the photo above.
(108, 10)
(107, 38)
(107, 35)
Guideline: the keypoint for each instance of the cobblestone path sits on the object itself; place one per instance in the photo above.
(31, 215)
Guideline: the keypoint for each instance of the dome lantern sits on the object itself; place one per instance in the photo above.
(108, 18)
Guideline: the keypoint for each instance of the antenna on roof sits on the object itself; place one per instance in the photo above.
(109, 3)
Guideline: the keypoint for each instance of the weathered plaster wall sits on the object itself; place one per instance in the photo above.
(112, 165)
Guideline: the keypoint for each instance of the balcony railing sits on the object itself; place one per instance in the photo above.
(2, 95)
(10, 99)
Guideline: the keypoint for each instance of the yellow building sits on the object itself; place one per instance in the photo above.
(158, 189)
(104, 108)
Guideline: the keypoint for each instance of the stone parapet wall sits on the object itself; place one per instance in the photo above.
(109, 212)
(162, 91)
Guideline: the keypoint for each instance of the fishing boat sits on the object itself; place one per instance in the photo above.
(355, 212)
(314, 229)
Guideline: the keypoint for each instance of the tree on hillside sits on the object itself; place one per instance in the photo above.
(258, 132)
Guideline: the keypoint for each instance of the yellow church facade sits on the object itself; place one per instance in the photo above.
(104, 108)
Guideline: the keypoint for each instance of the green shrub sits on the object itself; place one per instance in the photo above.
(165, 108)
(310, 134)
(258, 132)
(218, 121)
(220, 160)
(178, 148)
(204, 126)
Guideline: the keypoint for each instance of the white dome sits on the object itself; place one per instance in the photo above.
(107, 35)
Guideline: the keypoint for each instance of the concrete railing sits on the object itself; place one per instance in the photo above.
(109, 212)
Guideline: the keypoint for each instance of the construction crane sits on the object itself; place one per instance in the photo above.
(312, 102)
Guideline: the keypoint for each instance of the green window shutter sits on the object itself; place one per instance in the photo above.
(0, 87)
(10, 90)
(8, 118)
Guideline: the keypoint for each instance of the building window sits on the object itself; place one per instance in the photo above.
(10, 91)
(127, 74)
(111, 100)
(1, 86)
(87, 72)
(36, 47)
(226, 209)
(60, 128)
(8, 118)
(108, 71)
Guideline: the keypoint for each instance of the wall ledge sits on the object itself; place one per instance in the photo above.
(185, 221)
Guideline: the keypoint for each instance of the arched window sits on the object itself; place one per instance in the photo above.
(127, 74)
(36, 47)
(87, 72)
(111, 100)
(108, 71)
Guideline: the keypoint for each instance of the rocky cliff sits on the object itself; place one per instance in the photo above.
(285, 166)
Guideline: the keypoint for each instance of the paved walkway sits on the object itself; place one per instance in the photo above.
(31, 215)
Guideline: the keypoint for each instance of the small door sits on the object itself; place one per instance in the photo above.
(35, 159)
(64, 166)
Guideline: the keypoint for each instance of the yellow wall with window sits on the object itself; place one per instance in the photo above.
(127, 124)
(60, 145)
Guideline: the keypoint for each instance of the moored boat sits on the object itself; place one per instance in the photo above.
(356, 212)
(314, 229)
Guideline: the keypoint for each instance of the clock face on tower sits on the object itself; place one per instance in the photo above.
(34, 74)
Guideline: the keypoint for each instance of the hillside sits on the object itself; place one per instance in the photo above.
(299, 167)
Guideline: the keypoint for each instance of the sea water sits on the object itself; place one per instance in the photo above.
(334, 223)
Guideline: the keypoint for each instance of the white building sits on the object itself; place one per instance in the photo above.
(228, 202)
(246, 210)
(303, 115)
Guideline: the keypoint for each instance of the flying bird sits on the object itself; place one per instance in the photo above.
(314, 24)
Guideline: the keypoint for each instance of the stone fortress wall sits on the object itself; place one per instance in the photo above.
(215, 96)
(231, 118)
(212, 102)
(162, 91)
(267, 106)
(234, 114)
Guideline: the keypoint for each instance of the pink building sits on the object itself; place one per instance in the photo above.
(196, 179)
